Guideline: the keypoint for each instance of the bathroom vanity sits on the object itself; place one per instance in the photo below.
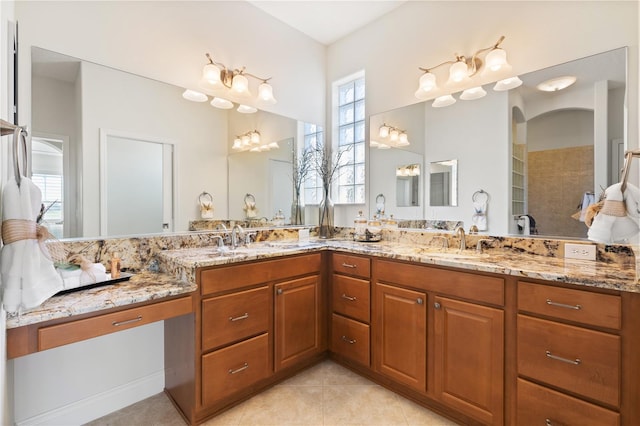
(499, 337)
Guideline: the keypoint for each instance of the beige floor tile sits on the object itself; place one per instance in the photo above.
(417, 415)
(232, 417)
(310, 377)
(154, 411)
(361, 405)
(285, 405)
(337, 375)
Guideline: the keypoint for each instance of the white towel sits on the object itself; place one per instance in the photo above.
(479, 217)
(28, 275)
(77, 277)
(609, 229)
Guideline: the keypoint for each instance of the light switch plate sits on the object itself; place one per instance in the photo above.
(580, 251)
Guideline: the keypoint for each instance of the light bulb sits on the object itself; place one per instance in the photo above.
(393, 135)
(192, 95)
(246, 140)
(255, 138)
(427, 82)
(240, 85)
(496, 59)
(403, 139)
(265, 93)
(211, 74)
(237, 143)
(473, 93)
(221, 103)
(443, 101)
(458, 73)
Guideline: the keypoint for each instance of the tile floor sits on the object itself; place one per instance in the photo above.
(326, 394)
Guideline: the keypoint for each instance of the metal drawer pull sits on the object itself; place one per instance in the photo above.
(349, 265)
(548, 422)
(244, 367)
(118, 323)
(559, 358)
(241, 317)
(562, 305)
(350, 341)
(350, 298)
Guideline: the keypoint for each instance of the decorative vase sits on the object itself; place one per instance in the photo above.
(297, 210)
(325, 216)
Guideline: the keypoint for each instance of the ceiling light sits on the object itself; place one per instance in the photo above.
(507, 84)
(461, 72)
(245, 109)
(443, 101)
(221, 103)
(252, 141)
(194, 96)
(473, 93)
(557, 83)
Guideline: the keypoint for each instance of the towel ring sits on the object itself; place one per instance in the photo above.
(250, 200)
(480, 193)
(19, 135)
(207, 197)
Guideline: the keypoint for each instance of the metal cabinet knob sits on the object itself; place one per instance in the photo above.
(279, 291)
(437, 305)
(419, 301)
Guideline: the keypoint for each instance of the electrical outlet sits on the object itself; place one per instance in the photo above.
(580, 251)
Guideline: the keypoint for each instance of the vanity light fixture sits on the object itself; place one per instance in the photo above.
(410, 170)
(461, 72)
(555, 84)
(391, 137)
(216, 76)
(252, 141)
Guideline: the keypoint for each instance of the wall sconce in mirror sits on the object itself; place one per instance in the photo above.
(461, 72)
(251, 141)
(390, 137)
(216, 76)
(443, 183)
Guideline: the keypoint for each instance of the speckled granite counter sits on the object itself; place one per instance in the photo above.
(142, 287)
(183, 263)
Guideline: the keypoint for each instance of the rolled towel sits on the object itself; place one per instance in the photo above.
(611, 224)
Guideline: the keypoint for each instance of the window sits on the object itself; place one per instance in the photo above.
(350, 139)
(313, 139)
(51, 188)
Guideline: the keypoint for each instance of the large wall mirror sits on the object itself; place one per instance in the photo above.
(536, 153)
(73, 101)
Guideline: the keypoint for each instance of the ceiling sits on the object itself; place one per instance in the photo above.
(326, 21)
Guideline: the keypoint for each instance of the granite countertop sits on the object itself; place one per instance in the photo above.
(183, 262)
(141, 287)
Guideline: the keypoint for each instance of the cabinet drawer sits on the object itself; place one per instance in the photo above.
(75, 331)
(357, 266)
(601, 310)
(579, 360)
(255, 273)
(350, 339)
(233, 317)
(351, 297)
(229, 370)
(538, 405)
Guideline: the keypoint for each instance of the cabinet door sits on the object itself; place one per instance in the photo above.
(297, 320)
(399, 330)
(469, 358)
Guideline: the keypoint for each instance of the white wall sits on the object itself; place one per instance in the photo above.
(167, 41)
(538, 35)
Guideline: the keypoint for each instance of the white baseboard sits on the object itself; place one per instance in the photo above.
(96, 406)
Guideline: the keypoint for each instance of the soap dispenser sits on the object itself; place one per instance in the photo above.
(360, 227)
(115, 265)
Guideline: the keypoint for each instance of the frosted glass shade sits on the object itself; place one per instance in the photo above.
(194, 96)
(240, 85)
(384, 131)
(473, 93)
(221, 103)
(458, 73)
(507, 84)
(246, 109)
(443, 101)
(265, 93)
(211, 74)
(496, 60)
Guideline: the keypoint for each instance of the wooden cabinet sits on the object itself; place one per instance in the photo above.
(255, 323)
(400, 331)
(469, 358)
(569, 355)
(441, 332)
(298, 320)
(351, 306)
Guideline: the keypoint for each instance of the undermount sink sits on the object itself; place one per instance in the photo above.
(290, 244)
(451, 254)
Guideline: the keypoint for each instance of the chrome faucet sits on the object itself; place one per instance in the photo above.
(220, 240)
(459, 231)
(234, 235)
(483, 240)
(445, 242)
(222, 226)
